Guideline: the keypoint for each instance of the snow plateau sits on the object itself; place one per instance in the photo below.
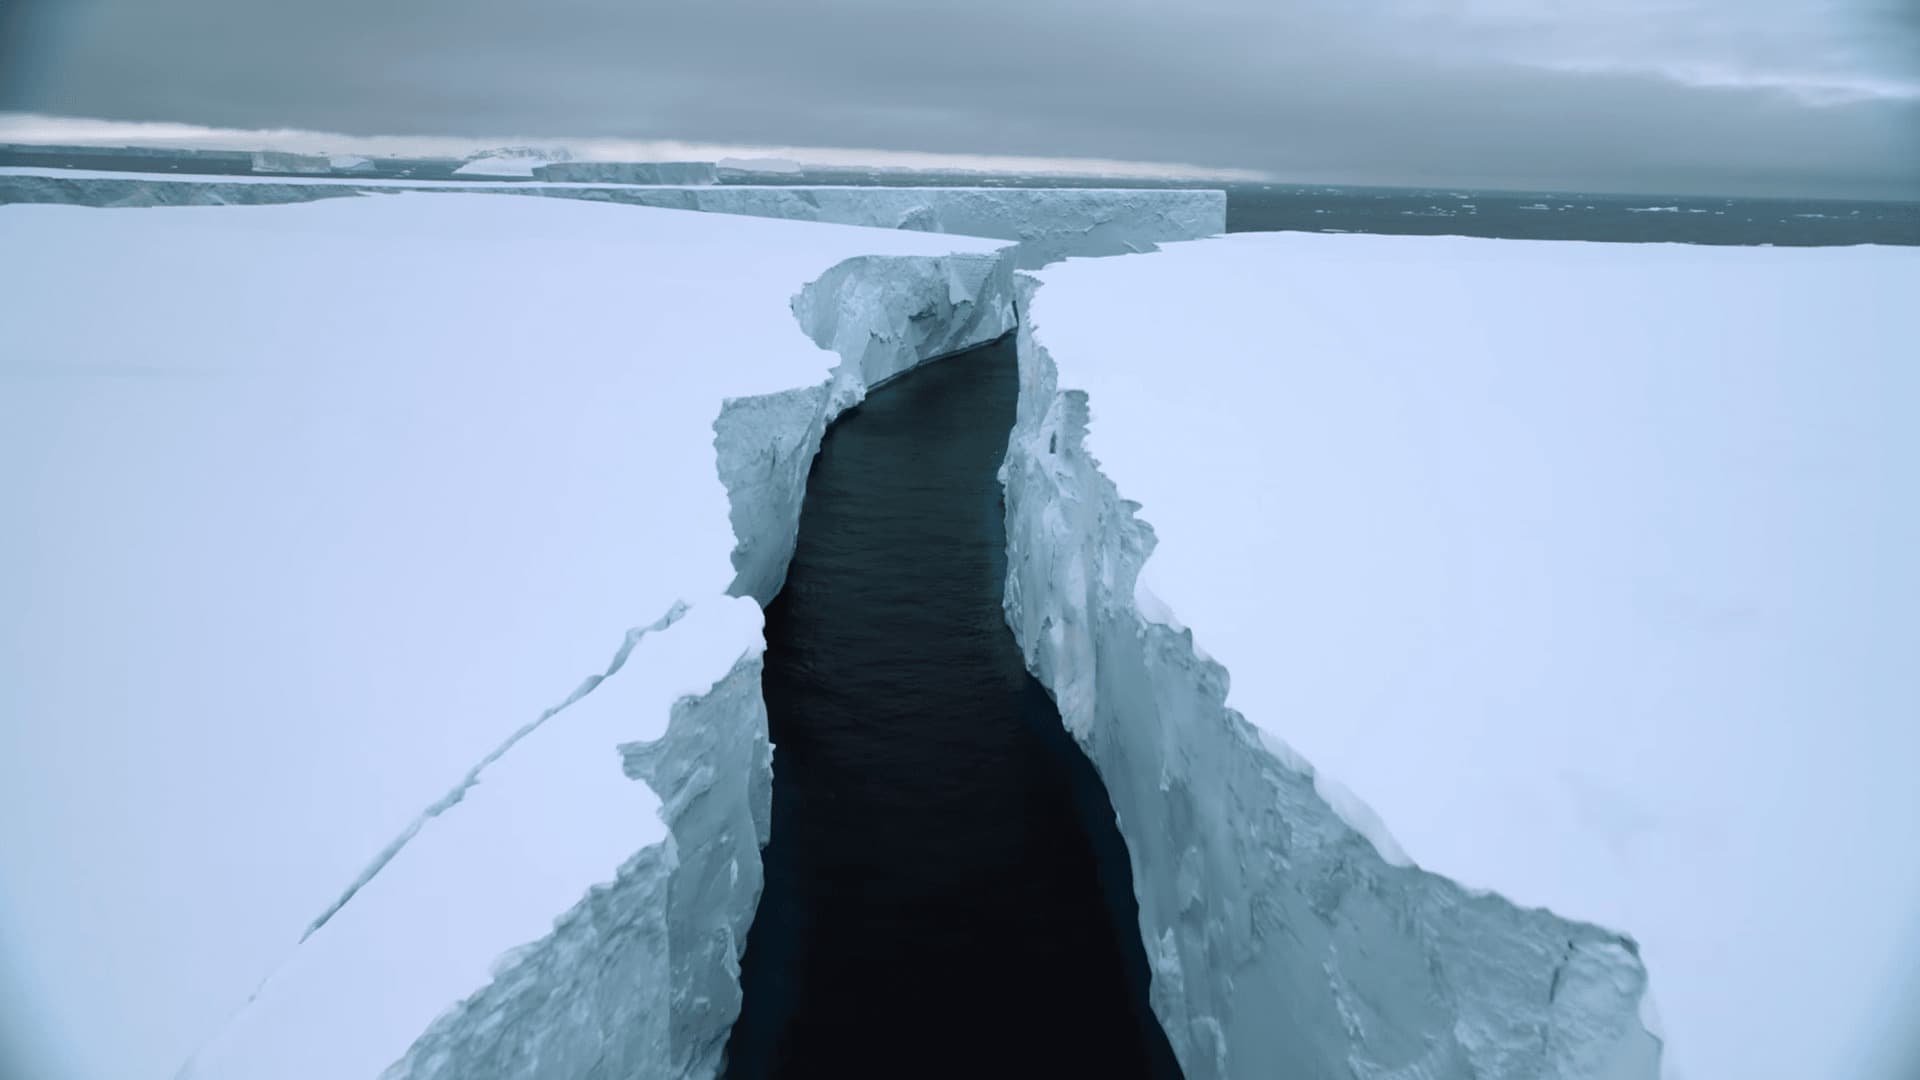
(343, 532)
(1588, 567)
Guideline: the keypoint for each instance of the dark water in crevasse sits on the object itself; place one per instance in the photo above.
(946, 891)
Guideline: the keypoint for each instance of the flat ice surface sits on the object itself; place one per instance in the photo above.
(309, 508)
(1590, 568)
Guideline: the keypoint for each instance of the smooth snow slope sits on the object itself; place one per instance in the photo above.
(1590, 569)
(314, 507)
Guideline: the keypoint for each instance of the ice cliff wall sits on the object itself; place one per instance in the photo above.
(1282, 941)
(883, 316)
(1047, 224)
(624, 172)
(117, 191)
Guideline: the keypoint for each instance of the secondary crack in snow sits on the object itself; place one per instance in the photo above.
(452, 798)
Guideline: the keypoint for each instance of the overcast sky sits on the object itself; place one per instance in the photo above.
(1734, 96)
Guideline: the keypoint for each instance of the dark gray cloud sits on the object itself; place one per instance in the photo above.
(1791, 96)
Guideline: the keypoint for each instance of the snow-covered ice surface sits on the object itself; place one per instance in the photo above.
(316, 508)
(1588, 568)
(1048, 223)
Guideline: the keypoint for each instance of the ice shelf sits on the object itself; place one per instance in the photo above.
(1047, 223)
(344, 528)
(529, 848)
(630, 172)
(1513, 680)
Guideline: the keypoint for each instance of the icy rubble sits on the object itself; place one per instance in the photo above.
(1048, 223)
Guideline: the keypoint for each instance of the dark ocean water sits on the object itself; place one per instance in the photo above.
(1563, 216)
(947, 893)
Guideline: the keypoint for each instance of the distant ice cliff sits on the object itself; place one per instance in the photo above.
(1047, 223)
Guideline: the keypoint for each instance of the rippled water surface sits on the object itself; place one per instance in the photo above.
(947, 894)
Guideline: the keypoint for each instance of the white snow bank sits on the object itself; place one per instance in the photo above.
(1588, 567)
(316, 506)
